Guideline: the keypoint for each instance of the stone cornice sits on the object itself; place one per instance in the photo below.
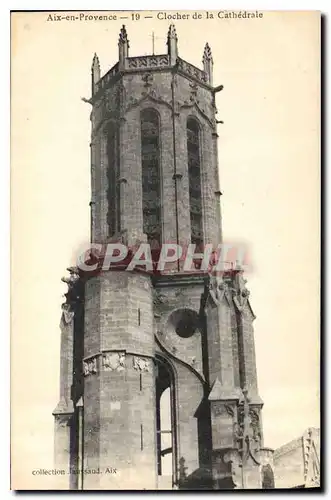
(115, 350)
(115, 360)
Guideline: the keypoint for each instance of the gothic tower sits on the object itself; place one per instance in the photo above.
(158, 373)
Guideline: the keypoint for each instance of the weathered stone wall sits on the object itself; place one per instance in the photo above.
(119, 394)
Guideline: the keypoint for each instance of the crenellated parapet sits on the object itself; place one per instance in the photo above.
(155, 62)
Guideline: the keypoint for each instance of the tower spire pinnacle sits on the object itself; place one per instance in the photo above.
(172, 32)
(123, 35)
(95, 70)
(123, 45)
(95, 62)
(172, 42)
(207, 56)
(207, 60)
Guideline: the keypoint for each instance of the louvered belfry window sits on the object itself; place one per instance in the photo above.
(194, 173)
(151, 188)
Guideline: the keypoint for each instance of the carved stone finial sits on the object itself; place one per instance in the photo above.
(123, 46)
(172, 32)
(96, 72)
(172, 41)
(207, 56)
(123, 35)
(95, 63)
(207, 61)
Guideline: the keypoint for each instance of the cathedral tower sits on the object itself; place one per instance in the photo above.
(158, 373)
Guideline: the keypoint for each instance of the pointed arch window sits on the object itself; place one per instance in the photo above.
(194, 174)
(151, 187)
(113, 185)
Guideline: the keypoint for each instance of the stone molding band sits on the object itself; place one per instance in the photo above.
(116, 360)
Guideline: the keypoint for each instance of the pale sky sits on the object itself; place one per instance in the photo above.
(269, 171)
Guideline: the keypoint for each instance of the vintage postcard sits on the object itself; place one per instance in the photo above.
(165, 250)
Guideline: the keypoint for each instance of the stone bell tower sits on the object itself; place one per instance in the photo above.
(158, 372)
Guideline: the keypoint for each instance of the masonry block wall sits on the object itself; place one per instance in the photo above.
(119, 393)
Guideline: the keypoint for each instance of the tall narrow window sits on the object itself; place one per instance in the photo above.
(166, 424)
(113, 185)
(193, 157)
(165, 430)
(151, 189)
